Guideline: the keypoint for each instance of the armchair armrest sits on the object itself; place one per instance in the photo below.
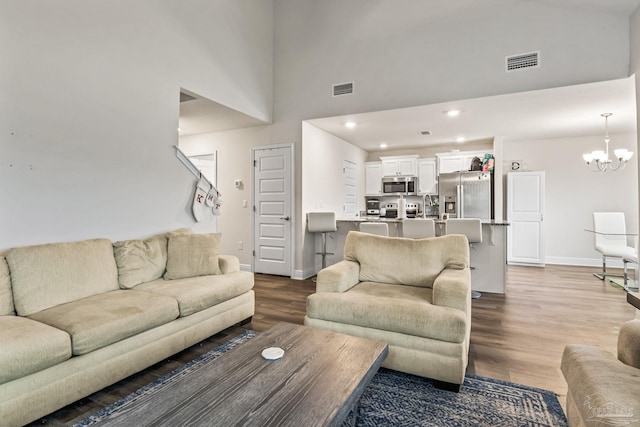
(339, 277)
(452, 288)
(228, 263)
(629, 343)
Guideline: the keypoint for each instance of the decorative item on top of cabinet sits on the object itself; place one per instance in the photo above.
(399, 165)
(427, 176)
(458, 161)
(373, 179)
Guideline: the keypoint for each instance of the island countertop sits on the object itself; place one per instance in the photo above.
(399, 220)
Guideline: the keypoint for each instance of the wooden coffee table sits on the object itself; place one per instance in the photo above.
(317, 382)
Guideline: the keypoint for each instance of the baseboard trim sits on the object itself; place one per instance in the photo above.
(583, 262)
(245, 267)
(303, 274)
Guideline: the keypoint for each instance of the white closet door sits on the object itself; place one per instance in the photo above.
(525, 213)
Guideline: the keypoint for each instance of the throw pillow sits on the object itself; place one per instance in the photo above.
(190, 255)
(140, 261)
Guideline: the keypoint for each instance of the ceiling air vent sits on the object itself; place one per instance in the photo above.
(425, 132)
(522, 61)
(343, 89)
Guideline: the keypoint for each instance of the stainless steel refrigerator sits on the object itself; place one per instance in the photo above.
(466, 195)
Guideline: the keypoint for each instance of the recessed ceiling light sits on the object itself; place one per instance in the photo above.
(453, 113)
(383, 145)
(350, 125)
(460, 139)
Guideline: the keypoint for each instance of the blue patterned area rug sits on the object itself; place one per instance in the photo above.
(397, 399)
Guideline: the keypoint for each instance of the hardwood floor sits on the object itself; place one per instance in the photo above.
(517, 337)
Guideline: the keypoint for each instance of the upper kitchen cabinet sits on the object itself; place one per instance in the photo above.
(399, 165)
(461, 161)
(427, 176)
(373, 179)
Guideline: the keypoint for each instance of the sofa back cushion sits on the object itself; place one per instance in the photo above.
(140, 261)
(6, 296)
(396, 260)
(48, 275)
(191, 255)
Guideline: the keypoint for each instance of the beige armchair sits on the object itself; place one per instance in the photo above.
(413, 294)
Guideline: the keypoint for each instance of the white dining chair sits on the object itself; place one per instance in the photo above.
(416, 228)
(470, 227)
(378, 228)
(610, 238)
(626, 259)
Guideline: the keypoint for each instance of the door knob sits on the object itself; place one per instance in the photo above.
(286, 218)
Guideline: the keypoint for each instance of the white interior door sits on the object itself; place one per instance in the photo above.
(272, 210)
(525, 213)
(350, 179)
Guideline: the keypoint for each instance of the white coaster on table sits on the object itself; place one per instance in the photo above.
(272, 353)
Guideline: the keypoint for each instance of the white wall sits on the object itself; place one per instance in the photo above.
(573, 193)
(322, 183)
(403, 53)
(89, 108)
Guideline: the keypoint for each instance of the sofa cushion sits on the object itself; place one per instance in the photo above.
(198, 293)
(140, 261)
(396, 260)
(45, 276)
(100, 320)
(191, 255)
(27, 346)
(402, 309)
(6, 296)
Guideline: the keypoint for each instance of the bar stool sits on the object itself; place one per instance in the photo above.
(415, 228)
(378, 228)
(322, 222)
(470, 227)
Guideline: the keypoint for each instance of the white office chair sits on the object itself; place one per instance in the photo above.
(470, 227)
(610, 238)
(322, 222)
(379, 228)
(415, 228)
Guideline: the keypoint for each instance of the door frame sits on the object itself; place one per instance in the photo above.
(293, 221)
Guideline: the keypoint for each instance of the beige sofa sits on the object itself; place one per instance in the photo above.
(76, 317)
(604, 390)
(413, 294)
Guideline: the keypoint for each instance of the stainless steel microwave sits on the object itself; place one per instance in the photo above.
(399, 185)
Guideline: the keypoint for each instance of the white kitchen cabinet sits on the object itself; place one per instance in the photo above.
(399, 165)
(461, 161)
(373, 178)
(427, 176)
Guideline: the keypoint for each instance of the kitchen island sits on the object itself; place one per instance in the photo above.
(488, 258)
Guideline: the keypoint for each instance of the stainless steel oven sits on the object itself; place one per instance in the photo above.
(399, 185)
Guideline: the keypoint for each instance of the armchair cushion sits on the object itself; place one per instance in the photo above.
(405, 261)
(402, 309)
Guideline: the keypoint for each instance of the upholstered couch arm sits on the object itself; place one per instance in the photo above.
(228, 263)
(339, 277)
(452, 288)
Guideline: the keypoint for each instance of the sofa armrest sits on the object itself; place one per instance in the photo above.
(228, 263)
(452, 288)
(629, 343)
(339, 277)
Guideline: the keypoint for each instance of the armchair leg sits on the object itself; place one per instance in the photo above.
(442, 385)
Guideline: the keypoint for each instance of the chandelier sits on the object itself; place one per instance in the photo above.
(601, 158)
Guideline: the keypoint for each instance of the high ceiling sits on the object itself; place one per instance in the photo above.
(551, 113)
